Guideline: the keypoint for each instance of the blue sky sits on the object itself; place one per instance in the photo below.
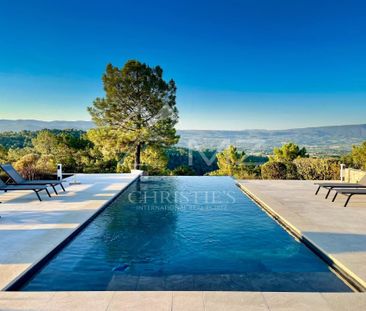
(237, 64)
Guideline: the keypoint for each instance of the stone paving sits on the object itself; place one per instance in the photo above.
(195, 301)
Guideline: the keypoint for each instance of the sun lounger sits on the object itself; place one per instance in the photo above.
(36, 188)
(338, 185)
(19, 180)
(349, 193)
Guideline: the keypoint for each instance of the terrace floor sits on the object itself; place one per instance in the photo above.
(191, 301)
(30, 229)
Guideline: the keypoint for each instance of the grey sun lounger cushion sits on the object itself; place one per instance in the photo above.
(349, 193)
(335, 185)
(19, 180)
(338, 184)
(35, 188)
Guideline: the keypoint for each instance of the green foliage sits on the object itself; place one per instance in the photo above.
(74, 139)
(27, 165)
(357, 157)
(15, 154)
(281, 164)
(248, 172)
(288, 152)
(153, 161)
(111, 143)
(140, 105)
(3, 154)
(70, 147)
(318, 168)
(229, 161)
(45, 142)
(92, 161)
(183, 170)
(291, 170)
(232, 162)
(55, 146)
(201, 162)
(274, 170)
(103, 150)
(256, 159)
(126, 164)
(93, 152)
(348, 160)
(16, 140)
(22, 139)
(33, 166)
(291, 162)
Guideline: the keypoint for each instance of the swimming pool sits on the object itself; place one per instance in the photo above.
(185, 233)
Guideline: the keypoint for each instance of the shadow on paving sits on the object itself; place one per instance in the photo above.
(94, 192)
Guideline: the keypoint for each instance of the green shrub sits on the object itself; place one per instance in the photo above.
(27, 166)
(274, 170)
(357, 157)
(291, 171)
(250, 171)
(288, 152)
(33, 166)
(318, 169)
(153, 161)
(230, 161)
(46, 165)
(3, 154)
(182, 170)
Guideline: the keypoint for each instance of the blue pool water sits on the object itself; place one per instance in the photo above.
(185, 233)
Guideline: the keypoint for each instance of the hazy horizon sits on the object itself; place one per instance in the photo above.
(192, 129)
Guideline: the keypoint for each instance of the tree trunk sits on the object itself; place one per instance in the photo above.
(137, 157)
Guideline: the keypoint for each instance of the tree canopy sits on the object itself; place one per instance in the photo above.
(288, 152)
(230, 161)
(140, 105)
(357, 157)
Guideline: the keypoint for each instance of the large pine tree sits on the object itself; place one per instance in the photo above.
(140, 104)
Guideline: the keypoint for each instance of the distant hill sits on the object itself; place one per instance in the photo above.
(318, 140)
(36, 125)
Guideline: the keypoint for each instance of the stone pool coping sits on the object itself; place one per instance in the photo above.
(334, 232)
(32, 231)
(168, 301)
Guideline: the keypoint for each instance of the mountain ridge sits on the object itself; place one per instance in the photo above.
(34, 124)
(335, 139)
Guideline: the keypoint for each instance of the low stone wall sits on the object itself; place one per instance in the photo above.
(352, 175)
